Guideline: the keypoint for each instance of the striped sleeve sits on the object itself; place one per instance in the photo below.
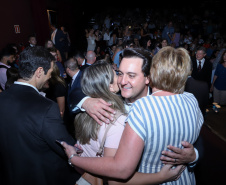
(135, 120)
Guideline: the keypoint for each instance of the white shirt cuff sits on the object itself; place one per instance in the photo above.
(193, 163)
(79, 105)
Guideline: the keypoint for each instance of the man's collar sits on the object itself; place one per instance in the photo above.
(26, 84)
(75, 75)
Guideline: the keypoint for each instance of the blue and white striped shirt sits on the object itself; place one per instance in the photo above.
(162, 121)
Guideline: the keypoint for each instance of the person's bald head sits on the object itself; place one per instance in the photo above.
(90, 57)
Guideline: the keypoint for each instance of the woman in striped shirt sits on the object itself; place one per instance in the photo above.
(169, 115)
(166, 117)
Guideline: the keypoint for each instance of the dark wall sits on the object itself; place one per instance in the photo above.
(31, 16)
(74, 16)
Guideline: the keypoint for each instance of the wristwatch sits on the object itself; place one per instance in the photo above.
(69, 159)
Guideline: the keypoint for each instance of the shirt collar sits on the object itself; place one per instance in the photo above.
(4, 64)
(201, 60)
(84, 62)
(75, 75)
(26, 84)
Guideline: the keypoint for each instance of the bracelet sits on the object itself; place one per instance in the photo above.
(69, 160)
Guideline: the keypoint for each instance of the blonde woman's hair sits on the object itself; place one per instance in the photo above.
(170, 69)
(55, 76)
(95, 83)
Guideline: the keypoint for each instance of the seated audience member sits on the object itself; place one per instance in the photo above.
(152, 122)
(32, 41)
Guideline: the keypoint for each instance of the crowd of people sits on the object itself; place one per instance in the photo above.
(141, 87)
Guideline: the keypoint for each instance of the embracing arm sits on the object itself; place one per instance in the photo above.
(166, 174)
(180, 156)
(122, 165)
(99, 110)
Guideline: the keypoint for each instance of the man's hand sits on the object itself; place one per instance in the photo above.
(178, 155)
(99, 110)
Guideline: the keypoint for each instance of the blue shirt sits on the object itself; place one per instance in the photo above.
(220, 82)
(116, 59)
(167, 30)
(61, 68)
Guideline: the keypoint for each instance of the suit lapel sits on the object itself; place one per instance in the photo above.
(76, 82)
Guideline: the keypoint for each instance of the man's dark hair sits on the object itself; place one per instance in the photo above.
(7, 51)
(142, 54)
(54, 25)
(78, 54)
(201, 48)
(31, 35)
(31, 59)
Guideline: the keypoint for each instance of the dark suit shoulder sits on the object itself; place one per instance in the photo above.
(27, 96)
(195, 84)
(82, 68)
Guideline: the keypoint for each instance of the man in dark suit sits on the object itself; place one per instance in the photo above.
(76, 95)
(200, 90)
(30, 126)
(202, 67)
(80, 58)
(71, 67)
(59, 40)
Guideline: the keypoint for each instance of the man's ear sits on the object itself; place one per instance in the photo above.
(67, 70)
(39, 72)
(147, 81)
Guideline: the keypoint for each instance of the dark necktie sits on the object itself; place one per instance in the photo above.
(199, 67)
(70, 84)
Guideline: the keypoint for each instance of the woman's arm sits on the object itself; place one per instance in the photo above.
(121, 166)
(61, 104)
(124, 163)
(165, 175)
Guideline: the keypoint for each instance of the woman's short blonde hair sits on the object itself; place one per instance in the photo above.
(170, 69)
